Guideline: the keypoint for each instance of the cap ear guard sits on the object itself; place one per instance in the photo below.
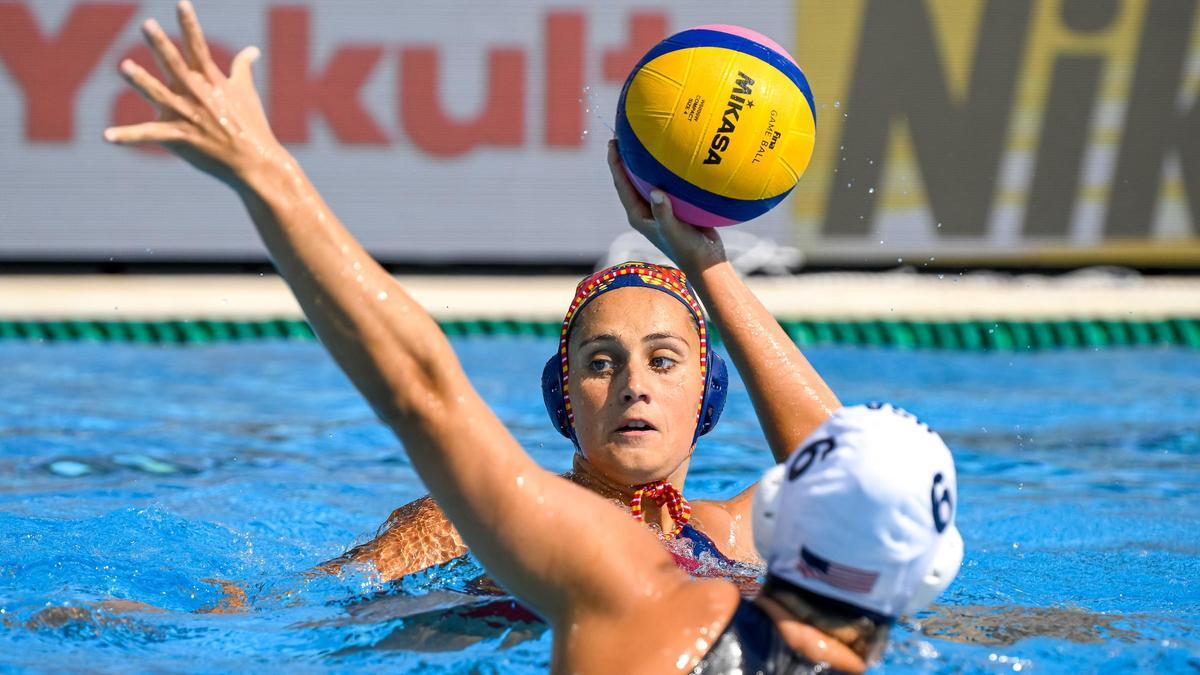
(552, 396)
(765, 512)
(942, 570)
(716, 390)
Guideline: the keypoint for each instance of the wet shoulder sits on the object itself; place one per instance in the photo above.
(728, 526)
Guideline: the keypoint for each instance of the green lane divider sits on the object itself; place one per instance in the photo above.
(973, 335)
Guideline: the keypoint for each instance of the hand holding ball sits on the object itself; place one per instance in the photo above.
(720, 118)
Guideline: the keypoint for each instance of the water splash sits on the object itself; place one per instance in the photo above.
(596, 113)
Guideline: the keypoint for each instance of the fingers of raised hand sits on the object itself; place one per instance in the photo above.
(147, 132)
(154, 91)
(167, 54)
(241, 70)
(660, 207)
(194, 45)
(635, 207)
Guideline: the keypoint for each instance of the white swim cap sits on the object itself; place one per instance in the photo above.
(863, 512)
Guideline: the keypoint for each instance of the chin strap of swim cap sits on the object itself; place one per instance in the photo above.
(662, 493)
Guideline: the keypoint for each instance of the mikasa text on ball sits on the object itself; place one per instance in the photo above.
(720, 118)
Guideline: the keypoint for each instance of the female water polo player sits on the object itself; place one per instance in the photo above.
(229, 137)
(633, 385)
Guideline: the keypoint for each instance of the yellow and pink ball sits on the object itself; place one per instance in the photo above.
(721, 119)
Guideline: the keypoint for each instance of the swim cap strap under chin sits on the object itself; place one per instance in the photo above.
(663, 493)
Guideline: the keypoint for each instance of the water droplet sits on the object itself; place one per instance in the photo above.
(837, 104)
(899, 260)
(382, 295)
(939, 224)
(520, 481)
(870, 191)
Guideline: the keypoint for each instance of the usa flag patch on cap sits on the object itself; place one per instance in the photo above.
(840, 576)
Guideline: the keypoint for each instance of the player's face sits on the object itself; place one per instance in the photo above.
(635, 384)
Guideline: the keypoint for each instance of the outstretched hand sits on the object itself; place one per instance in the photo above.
(216, 123)
(693, 249)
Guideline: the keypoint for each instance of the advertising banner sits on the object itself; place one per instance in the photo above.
(948, 131)
(1006, 130)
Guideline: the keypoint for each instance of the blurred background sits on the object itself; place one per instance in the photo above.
(1028, 134)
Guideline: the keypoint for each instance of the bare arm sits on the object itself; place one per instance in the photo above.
(789, 397)
(564, 550)
(416, 536)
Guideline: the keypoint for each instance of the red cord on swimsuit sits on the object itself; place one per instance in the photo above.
(663, 493)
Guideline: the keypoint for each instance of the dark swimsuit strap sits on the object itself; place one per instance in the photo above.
(702, 543)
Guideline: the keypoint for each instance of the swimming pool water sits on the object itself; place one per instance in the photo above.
(147, 473)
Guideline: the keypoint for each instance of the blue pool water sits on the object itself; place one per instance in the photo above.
(144, 473)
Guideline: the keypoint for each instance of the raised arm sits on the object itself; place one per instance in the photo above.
(789, 397)
(562, 549)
